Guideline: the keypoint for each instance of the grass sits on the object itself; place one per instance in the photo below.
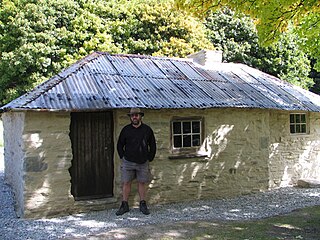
(300, 224)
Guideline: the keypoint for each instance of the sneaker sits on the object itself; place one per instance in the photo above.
(143, 207)
(123, 208)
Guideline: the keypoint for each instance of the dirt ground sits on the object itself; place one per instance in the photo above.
(178, 230)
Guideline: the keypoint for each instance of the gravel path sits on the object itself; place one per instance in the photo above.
(256, 206)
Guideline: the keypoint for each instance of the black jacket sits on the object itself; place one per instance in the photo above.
(137, 144)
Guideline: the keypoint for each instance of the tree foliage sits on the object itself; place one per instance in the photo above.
(272, 18)
(152, 27)
(237, 37)
(39, 38)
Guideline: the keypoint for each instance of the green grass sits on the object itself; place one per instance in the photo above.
(300, 224)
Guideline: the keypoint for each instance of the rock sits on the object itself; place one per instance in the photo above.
(308, 183)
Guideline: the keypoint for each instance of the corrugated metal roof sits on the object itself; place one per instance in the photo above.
(103, 81)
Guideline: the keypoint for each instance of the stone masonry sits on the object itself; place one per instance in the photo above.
(13, 124)
(236, 142)
(243, 151)
(292, 157)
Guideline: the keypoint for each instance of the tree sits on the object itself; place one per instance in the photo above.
(39, 38)
(272, 18)
(237, 37)
(316, 77)
(153, 27)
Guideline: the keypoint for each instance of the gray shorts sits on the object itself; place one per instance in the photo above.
(131, 171)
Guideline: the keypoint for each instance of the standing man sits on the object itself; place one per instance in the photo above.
(136, 148)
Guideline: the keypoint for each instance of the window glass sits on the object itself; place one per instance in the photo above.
(298, 123)
(186, 127)
(196, 127)
(186, 141)
(186, 133)
(176, 127)
(291, 118)
(292, 129)
(196, 140)
(177, 141)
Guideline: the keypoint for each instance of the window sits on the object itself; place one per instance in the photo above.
(186, 133)
(298, 123)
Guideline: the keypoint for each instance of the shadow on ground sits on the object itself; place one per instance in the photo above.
(300, 224)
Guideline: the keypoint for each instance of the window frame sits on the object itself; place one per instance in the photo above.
(186, 151)
(295, 124)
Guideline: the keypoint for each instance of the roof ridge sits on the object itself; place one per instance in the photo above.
(130, 55)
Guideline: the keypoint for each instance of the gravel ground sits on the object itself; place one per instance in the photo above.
(248, 207)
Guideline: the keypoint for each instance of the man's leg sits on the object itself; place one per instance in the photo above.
(127, 175)
(143, 178)
(126, 189)
(142, 193)
(142, 190)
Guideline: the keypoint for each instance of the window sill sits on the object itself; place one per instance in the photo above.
(183, 156)
(299, 134)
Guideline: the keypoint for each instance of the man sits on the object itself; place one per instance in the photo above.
(136, 148)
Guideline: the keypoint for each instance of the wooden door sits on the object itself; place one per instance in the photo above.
(92, 169)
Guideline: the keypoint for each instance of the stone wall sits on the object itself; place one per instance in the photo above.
(236, 141)
(1, 133)
(13, 124)
(46, 162)
(293, 156)
(38, 156)
(248, 150)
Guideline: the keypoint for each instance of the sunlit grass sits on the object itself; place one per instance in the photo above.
(301, 224)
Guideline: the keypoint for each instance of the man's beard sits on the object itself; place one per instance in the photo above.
(135, 122)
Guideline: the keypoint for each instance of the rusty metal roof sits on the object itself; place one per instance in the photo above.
(104, 81)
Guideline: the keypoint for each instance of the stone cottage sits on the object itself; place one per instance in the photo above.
(222, 130)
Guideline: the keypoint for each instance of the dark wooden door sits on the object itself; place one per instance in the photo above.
(92, 172)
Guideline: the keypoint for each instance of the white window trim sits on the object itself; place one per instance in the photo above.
(185, 152)
(186, 134)
(306, 124)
